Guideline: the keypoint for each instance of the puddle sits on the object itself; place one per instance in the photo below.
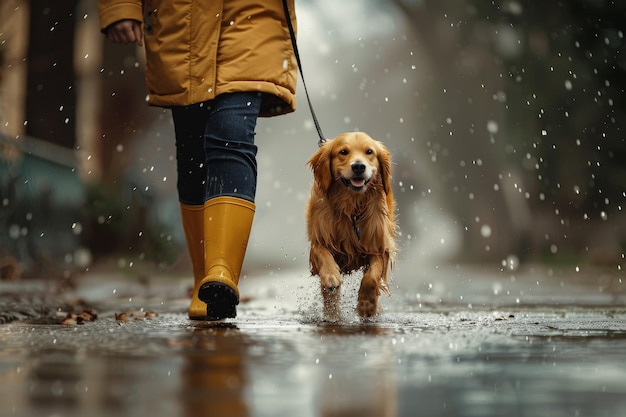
(430, 356)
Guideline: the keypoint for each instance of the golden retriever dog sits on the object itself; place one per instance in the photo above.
(350, 219)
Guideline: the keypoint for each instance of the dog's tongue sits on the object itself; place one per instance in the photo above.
(357, 182)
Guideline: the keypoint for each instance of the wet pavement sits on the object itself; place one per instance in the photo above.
(452, 341)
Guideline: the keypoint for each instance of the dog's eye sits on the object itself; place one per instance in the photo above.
(343, 152)
(369, 151)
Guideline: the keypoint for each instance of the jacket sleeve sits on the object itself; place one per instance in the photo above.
(111, 11)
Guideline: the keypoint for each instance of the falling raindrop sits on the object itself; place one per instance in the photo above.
(492, 127)
(511, 262)
(77, 228)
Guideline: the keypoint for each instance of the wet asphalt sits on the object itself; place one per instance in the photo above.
(452, 341)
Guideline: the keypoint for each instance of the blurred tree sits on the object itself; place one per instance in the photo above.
(547, 80)
(568, 120)
(51, 93)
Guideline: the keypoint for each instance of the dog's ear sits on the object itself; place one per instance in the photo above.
(384, 161)
(320, 163)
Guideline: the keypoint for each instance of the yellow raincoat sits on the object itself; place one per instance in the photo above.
(198, 49)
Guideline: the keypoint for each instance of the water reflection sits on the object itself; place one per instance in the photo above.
(213, 374)
(428, 364)
(357, 376)
(53, 379)
(75, 382)
(319, 369)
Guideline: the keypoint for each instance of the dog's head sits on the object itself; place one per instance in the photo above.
(355, 160)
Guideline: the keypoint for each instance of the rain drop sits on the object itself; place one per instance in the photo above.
(511, 262)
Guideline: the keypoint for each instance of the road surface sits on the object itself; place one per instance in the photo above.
(452, 341)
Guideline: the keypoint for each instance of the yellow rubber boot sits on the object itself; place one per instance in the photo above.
(226, 228)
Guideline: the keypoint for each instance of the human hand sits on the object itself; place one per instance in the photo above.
(125, 31)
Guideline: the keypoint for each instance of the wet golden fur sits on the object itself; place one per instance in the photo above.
(338, 203)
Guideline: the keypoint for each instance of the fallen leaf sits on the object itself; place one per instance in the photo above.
(72, 319)
(132, 315)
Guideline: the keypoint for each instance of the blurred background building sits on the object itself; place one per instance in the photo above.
(505, 119)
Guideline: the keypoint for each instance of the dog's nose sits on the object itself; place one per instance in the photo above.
(358, 167)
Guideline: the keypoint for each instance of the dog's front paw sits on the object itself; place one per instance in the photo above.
(367, 301)
(331, 297)
(367, 308)
(330, 280)
(331, 289)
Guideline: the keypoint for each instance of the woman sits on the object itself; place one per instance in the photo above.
(218, 65)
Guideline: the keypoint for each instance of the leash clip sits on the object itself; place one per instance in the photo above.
(357, 229)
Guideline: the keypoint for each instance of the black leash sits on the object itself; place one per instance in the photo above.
(292, 33)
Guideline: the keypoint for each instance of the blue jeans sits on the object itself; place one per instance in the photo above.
(215, 150)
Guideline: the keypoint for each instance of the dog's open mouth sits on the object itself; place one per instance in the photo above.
(356, 184)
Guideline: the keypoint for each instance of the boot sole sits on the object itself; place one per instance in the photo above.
(221, 301)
